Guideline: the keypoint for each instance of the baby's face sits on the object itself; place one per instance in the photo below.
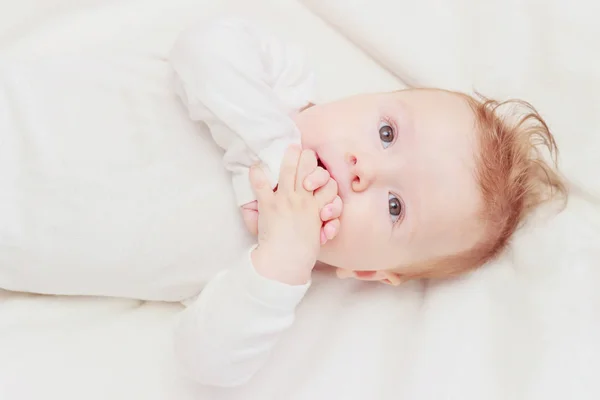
(405, 166)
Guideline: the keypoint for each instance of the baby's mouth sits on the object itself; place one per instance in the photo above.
(320, 164)
(323, 165)
(331, 173)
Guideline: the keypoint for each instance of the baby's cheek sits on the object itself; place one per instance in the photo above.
(356, 227)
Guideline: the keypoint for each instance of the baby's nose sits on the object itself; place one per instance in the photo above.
(362, 172)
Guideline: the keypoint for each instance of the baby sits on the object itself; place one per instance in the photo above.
(388, 187)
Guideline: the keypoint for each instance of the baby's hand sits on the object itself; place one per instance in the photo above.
(327, 190)
(289, 224)
(320, 181)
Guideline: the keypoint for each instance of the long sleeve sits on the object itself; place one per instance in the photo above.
(226, 335)
(244, 84)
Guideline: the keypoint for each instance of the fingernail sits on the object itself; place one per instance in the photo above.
(327, 212)
(308, 184)
(330, 232)
(323, 237)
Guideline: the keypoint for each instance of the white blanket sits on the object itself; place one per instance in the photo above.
(526, 327)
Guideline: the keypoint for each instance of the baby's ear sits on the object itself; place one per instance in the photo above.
(387, 277)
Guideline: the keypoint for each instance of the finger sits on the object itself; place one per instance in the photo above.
(287, 172)
(306, 165)
(332, 210)
(331, 228)
(260, 184)
(253, 205)
(316, 179)
(251, 220)
(327, 193)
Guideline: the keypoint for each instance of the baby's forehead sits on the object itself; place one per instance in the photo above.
(443, 124)
(443, 159)
(440, 111)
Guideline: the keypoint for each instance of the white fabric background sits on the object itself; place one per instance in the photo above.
(523, 328)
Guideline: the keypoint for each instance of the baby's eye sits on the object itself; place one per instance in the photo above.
(395, 207)
(386, 134)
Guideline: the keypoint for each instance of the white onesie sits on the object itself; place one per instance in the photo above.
(245, 85)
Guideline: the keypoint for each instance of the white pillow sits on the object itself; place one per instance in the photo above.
(105, 182)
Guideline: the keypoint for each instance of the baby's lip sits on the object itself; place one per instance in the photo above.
(322, 163)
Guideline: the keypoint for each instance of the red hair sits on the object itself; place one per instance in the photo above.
(517, 171)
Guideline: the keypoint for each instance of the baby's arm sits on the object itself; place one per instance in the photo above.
(226, 336)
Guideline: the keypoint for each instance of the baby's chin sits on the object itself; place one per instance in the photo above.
(321, 266)
(334, 272)
(335, 255)
(332, 257)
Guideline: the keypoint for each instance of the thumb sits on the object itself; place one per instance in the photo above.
(260, 184)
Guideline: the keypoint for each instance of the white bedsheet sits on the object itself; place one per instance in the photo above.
(524, 328)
